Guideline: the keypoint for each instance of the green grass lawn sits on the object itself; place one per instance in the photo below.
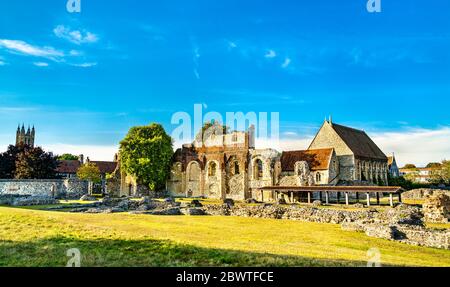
(42, 238)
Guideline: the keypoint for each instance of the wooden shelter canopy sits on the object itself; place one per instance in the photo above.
(351, 189)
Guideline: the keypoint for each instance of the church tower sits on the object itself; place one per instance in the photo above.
(25, 137)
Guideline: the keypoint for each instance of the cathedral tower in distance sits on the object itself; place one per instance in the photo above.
(25, 137)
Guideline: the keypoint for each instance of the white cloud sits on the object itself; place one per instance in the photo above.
(17, 109)
(270, 54)
(40, 64)
(232, 45)
(2, 63)
(197, 56)
(286, 63)
(84, 65)
(94, 152)
(75, 36)
(417, 146)
(21, 47)
(75, 53)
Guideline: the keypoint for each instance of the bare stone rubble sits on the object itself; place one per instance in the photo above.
(422, 193)
(437, 208)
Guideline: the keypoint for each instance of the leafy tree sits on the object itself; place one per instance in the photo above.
(35, 163)
(400, 181)
(441, 175)
(8, 161)
(412, 176)
(410, 166)
(89, 172)
(146, 153)
(434, 165)
(210, 128)
(67, 156)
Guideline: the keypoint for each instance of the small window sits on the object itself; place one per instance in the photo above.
(236, 168)
(212, 170)
(235, 138)
(318, 177)
(258, 169)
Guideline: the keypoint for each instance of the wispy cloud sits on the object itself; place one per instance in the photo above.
(24, 48)
(40, 64)
(196, 59)
(413, 145)
(270, 54)
(85, 65)
(4, 110)
(2, 63)
(94, 152)
(286, 63)
(75, 36)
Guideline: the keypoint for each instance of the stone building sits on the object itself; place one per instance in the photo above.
(360, 159)
(25, 137)
(220, 164)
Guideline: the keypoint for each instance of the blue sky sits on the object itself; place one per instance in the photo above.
(84, 78)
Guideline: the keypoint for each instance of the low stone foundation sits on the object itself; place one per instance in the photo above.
(403, 223)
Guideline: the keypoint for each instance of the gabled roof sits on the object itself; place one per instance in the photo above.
(318, 159)
(68, 166)
(359, 142)
(105, 166)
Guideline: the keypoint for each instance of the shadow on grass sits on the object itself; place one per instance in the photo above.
(143, 253)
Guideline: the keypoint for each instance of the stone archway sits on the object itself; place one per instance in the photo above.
(193, 179)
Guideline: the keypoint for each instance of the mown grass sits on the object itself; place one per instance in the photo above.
(42, 238)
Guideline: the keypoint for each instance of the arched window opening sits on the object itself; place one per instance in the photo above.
(258, 169)
(236, 168)
(212, 170)
(318, 177)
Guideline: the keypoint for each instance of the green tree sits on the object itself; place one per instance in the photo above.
(409, 166)
(442, 174)
(146, 153)
(89, 172)
(8, 161)
(400, 181)
(35, 163)
(67, 156)
(412, 176)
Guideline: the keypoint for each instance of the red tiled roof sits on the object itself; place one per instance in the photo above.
(318, 159)
(68, 166)
(105, 166)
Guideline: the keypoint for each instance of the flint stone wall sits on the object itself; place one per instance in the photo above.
(437, 208)
(56, 188)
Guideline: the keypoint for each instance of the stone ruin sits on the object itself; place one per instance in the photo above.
(437, 208)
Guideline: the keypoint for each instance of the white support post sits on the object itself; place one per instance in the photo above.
(327, 198)
(368, 199)
(391, 200)
(346, 199)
